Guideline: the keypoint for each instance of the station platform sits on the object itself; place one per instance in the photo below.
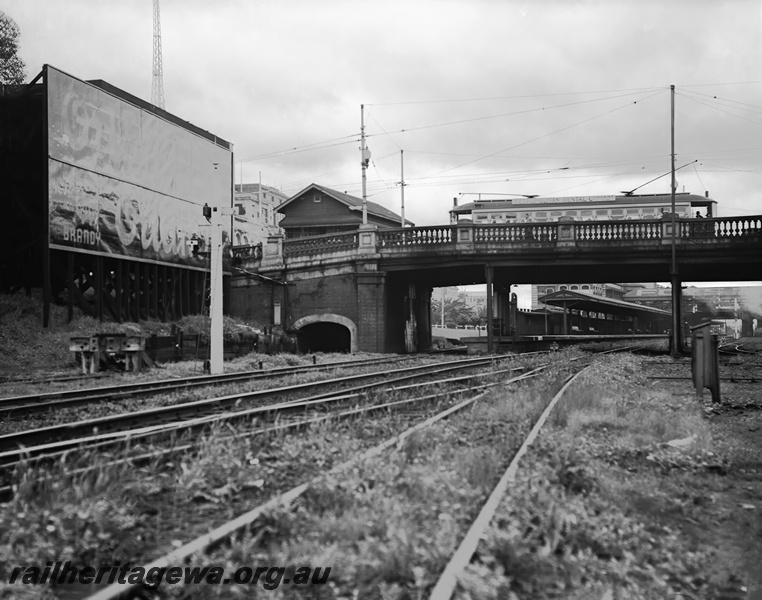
(530, 343)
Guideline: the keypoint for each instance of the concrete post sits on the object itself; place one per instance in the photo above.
(272, 253)
(367, 239)
(464, 237)
(566, 232)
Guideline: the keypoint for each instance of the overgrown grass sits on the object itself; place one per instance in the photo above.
(590, 515)
(389, 526)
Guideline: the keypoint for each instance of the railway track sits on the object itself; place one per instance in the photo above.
(268, 419)
(249, 519)
(193, 416)
(30, 404)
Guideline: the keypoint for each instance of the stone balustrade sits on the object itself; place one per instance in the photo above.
(470, 237)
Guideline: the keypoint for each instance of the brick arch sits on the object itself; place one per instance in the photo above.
(331, 318)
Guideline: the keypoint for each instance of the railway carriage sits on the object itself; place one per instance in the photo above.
(583, 208)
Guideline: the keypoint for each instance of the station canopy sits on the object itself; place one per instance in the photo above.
(570, 299)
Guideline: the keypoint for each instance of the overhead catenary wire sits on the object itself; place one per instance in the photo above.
(578, 123)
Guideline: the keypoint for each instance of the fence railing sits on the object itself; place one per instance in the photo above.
(722, 228)
(470, 237)
(253, 252)
(518, 232)
(415, 236)
(618, 230)
(320, 244)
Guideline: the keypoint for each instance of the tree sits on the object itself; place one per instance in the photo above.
(456, 311)
(12, 70)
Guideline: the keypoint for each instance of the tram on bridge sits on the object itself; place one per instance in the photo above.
(583, 208)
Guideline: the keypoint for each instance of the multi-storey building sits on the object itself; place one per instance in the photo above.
(255, 216)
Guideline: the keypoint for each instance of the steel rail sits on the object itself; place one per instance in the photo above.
(14, 406)
(445, 586)
(9, 459)
(6, 491)
(163, 414)
(226, 530)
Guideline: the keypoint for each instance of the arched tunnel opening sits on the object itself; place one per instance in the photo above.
(324, 337)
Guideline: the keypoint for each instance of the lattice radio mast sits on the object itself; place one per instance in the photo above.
(157, 88)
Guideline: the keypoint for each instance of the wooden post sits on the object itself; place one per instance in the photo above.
(490, 334)
(99, 287)
(70, 286)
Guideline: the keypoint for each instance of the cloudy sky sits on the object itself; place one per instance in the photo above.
(554, 98)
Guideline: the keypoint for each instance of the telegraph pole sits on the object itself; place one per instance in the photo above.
(364, 160)
(402, 189)
(677, 345)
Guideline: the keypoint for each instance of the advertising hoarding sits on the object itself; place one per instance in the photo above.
(124, 181)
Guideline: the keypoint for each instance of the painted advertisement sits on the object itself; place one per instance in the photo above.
(123, 181)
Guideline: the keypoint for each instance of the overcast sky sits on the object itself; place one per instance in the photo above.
(554, 98)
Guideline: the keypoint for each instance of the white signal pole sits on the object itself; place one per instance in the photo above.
(216, 344)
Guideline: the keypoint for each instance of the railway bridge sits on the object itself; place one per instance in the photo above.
(370, 289)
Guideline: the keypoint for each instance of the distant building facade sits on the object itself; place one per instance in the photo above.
(255, 213)
(615, 291)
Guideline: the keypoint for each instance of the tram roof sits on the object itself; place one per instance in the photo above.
(591, 302)
(580, 202)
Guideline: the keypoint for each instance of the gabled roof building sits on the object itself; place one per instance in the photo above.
(318, 210)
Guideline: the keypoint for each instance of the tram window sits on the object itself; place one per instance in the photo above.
(571, 213)
(556, 213)
(541, 215)
(481, 217)
(602, 212)
(649, 211)
(617, 211)
(587, 213)
(633, 211)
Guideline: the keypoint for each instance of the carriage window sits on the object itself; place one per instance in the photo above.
(602, 212)
(617, 211)
(571, 213)
(633, 211)
(587, 213)
(556, 213)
